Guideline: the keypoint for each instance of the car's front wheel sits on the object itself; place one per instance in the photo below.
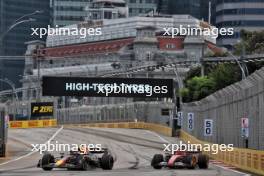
(157, 159)
(84, 165)
(107, 162)
(46, 160)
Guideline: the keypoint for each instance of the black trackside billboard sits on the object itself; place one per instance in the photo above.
(107, 87)
(42, 109)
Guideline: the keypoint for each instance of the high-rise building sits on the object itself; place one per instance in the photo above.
(67, 12)
(195, 8)
(13, 43)
(139, 7)
(10, 68)
(238, 14)
(100, 10)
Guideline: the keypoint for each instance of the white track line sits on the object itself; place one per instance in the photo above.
(30, 153)
(161, 138)
(232, 170)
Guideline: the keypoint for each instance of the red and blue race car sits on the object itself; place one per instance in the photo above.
(181, 159)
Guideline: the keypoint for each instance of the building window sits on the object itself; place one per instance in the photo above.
(170, 46)
(165, 112)
(133, 1)
(148, 56)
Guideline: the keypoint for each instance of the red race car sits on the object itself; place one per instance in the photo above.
(181, 159)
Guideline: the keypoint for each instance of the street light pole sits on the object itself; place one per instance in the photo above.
(239, 64)
(27, 15)
(12, 85)
(14, 25)
(11, 27)
(19, 21)
(179, 80)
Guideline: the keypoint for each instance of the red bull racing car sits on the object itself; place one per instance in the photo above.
(78, 160)
(180, 159)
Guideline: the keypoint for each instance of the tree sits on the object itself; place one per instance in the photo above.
(225, 74)
(197, 88)
(253, 42)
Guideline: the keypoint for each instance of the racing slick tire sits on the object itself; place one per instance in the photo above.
(157, 159)
(107, 162)
(203, 161)
(190, 161)
(46, 160)
(84, 165)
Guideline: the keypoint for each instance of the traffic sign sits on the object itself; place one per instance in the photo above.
(208, 127)
(180, 118)
(190, 123)
(244, 123)
(245, 132)
(244, 127)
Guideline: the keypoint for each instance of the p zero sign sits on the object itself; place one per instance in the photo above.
(107, 87)
(42, 109)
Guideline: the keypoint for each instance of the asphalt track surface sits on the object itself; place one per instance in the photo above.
(133, 150)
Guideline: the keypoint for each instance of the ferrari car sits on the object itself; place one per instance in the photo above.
(181, 159)
(77, 160)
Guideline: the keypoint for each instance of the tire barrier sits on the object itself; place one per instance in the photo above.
(129, 125)
(33, 123)
(245, 159)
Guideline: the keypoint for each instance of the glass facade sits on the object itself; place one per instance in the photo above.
(11, 68)
(67, 12)
(138, 7)
(196, 8)
(13, 43)
(238, 14)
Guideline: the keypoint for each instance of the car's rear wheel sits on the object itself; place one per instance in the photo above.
(85, 165)
(107, 162)
(156, 160)
(203, 161)
(46, 160)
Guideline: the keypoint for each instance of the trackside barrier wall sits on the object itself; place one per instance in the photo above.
(149, 112)
(246, 159)
(227, 107)
(33, 123)
(130, 125)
